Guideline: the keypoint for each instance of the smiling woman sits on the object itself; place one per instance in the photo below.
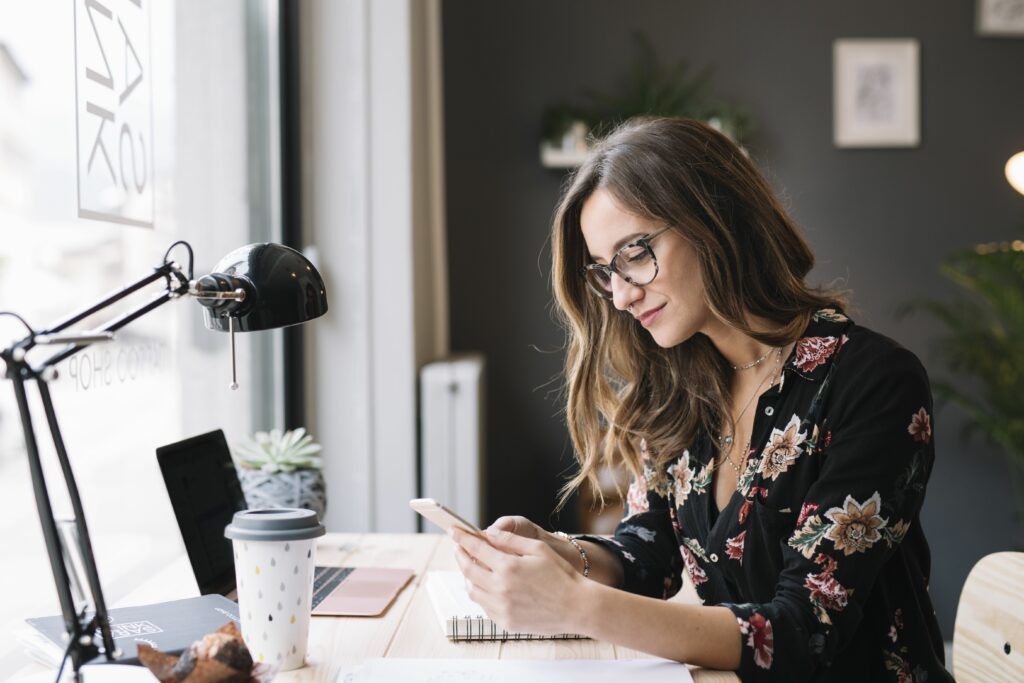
(694, 342)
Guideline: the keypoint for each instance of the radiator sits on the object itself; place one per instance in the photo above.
(452, 434)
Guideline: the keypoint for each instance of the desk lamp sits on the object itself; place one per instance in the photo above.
(256, 287)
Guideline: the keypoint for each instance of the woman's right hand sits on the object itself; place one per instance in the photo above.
(521, 526)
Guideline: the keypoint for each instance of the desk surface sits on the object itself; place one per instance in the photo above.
(408, 629)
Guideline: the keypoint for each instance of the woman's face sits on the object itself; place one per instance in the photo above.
(671, 307)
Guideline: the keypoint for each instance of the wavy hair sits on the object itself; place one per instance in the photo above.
(620, 386)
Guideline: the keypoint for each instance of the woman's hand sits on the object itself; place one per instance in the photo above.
(520, 581)
(521, 526)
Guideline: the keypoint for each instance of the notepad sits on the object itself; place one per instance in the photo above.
(517, 670)
(463, 619)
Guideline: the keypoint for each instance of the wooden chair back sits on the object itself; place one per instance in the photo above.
(988, 640)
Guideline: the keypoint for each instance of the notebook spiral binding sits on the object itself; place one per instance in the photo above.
(480, 628)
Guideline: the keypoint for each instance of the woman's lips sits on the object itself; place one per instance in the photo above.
(647, 318)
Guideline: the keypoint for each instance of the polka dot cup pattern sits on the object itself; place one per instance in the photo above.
(274, 577)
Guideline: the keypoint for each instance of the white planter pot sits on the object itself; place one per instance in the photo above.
(298, 489)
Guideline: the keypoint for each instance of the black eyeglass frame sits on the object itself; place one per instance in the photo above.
(644, 242)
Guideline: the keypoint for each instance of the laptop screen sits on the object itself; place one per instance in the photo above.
(205, 494)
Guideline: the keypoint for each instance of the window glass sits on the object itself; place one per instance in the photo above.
(124, 127)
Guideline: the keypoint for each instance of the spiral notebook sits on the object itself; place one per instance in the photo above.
(462, 619)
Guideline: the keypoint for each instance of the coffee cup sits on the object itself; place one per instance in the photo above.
(275, 560)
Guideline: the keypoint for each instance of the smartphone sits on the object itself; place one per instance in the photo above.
(442, 516)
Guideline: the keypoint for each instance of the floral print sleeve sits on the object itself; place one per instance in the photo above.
(874, 453)
(644, 540)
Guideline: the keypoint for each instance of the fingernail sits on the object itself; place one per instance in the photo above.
(451, 531)
(491, 531)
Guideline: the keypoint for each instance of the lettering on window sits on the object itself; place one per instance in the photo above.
(114, 116)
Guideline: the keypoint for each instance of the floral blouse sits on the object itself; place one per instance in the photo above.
(820, 552)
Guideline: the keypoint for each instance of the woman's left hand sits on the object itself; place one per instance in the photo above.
(522, 584)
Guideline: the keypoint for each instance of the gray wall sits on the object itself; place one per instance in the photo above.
(881, 219)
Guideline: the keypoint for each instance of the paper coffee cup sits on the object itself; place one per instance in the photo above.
(275, 559)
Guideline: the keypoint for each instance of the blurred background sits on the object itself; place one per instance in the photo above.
(415, 150)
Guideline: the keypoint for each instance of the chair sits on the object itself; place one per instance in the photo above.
(988, 639)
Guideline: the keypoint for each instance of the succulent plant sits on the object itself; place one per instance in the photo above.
(278, 451)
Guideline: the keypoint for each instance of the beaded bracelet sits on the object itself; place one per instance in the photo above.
(583, 553)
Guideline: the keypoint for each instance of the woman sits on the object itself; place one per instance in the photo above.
(779, 451)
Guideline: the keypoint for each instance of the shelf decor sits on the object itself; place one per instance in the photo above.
(649, 88)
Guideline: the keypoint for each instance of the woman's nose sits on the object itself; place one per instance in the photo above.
(624, 293)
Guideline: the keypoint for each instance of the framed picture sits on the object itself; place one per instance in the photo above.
(999, 17)
(876, 93)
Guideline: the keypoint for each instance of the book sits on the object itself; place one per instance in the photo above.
(462, 619)
(169, 627)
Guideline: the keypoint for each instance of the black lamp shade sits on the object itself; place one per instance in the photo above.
(281, 287)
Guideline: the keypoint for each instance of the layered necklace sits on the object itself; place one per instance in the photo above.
(754, 362)
(725, 441)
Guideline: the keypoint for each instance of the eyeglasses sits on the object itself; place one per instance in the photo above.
(635, 263)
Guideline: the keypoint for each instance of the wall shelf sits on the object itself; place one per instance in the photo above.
(556, 157)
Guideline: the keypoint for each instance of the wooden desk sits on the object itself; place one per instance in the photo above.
(408, 629)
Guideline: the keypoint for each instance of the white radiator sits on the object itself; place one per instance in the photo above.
(452, 434)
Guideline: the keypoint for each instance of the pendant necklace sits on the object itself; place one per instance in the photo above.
(725, 441)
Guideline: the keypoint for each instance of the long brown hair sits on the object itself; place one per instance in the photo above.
(621, 386)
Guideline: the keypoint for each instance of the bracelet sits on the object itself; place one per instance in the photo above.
(583, 553)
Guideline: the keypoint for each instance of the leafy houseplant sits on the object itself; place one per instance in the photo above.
(982, 344)
(653, 89)
(281, 469)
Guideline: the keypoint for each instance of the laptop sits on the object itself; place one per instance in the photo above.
(205, 493)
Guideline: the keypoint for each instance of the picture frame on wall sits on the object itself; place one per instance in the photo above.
(999, 18)
(876, 92)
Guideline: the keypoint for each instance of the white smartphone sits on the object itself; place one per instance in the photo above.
(442, 516)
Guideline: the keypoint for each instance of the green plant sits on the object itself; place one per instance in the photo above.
(983, 347)
(278, 451)
(650, 88)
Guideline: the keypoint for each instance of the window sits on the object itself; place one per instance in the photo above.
(123, 129)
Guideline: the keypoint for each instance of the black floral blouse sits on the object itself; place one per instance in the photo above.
(820, 552)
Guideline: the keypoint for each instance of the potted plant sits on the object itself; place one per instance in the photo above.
(650, 88)
(981, 346)
(281, 469)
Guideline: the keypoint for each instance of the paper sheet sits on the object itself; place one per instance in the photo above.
(95, 673)
(117, 673)
(398, 670)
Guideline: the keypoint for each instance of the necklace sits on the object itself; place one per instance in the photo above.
(725, 441)
(753, 363)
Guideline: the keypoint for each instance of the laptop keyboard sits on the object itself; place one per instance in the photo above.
(326, 579)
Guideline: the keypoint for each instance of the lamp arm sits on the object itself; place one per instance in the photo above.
(73, 626)
(112, 326)
(92, 576)
(168, 270)
(82, 646)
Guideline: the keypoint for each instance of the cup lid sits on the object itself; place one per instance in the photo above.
(274, 524)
